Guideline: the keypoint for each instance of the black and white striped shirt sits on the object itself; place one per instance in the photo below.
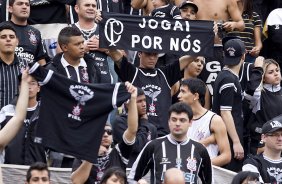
(9, 80)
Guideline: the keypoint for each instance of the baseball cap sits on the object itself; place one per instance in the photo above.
(272, 125)
(233, 51)
(190, 3)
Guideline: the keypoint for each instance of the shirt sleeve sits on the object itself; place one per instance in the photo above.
(227, 92)
(142, 164)
(127, 70)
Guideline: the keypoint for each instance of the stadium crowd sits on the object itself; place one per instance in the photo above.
(67, 102)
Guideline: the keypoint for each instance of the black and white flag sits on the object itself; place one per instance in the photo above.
(144, 33)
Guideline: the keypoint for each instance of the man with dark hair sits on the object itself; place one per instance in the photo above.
(73, 62)
(174, 150)
(269, 163)
(22, 150)
(156, 82)
(206, 124)
(146, 130)
(30, 46)
(86, 11)
(10, 65)
(76, 65)
(227, 100)
(38, 173)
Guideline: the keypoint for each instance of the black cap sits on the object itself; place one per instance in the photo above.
(272, 125)
(234, 49)
(189, 3)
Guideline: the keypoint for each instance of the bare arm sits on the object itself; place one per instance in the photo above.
(231, 130)
(116, 56)
(146, 5)
(220, 133)
(132, 119)
(258, 44)
(42, 62)
(184, 61)
(15, 123)
(82, 173)
(237, 20)
(207, 99)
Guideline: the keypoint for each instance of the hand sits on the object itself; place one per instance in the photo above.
(102, 151)
(254, 52)
(93, 43)
(131, 89)
(25, 75)
(98, 16)
(229, 26)
(142, 181)
(238, 151)
(259, 61)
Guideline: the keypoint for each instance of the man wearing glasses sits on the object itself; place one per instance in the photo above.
(269, 163)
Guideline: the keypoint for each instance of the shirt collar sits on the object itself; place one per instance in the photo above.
(65, 63)
(272, 88)
(226, 68)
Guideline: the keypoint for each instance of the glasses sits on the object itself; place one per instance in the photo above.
(108, 131)
(274, 134)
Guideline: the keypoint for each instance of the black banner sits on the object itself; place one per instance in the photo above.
(143, 33)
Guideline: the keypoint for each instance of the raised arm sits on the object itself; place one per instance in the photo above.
(184, 61)
(237, 22)
(15, 123)
(146, 5)
(116, 56)
(82, 173)
(132, 119)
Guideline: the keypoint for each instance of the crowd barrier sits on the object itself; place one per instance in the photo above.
(11, 174)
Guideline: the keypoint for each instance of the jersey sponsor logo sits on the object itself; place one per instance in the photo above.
(276, 173)
(189, 177)
(165, 161)
(152, 91)
(159, 14)
(81, 94)
(53, 45)
(277, 26)
(191, 164)
(32, 37)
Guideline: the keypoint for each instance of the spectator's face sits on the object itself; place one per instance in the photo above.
(20, 9)
(141, 105)
(186, 96)
(158, 3)
(75, 49)
(195, 68)
(107, 137)
(148, 60)
(8, 41)
(86, 9)
(178, 125)
(33, 87)
(115, 180)
(39, 177)
(188, 13)
(273, 141)
(272, 75)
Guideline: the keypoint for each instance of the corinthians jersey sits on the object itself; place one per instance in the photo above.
(163, 153)
(73, 115)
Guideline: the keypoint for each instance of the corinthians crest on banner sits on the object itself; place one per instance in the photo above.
(81, 94)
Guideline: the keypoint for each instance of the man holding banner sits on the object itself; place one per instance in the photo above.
(150, 36)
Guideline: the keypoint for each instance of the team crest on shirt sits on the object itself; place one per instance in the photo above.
(191, 164)
(85, 76)
(81, 94)
(152, 91)
(32, 37)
